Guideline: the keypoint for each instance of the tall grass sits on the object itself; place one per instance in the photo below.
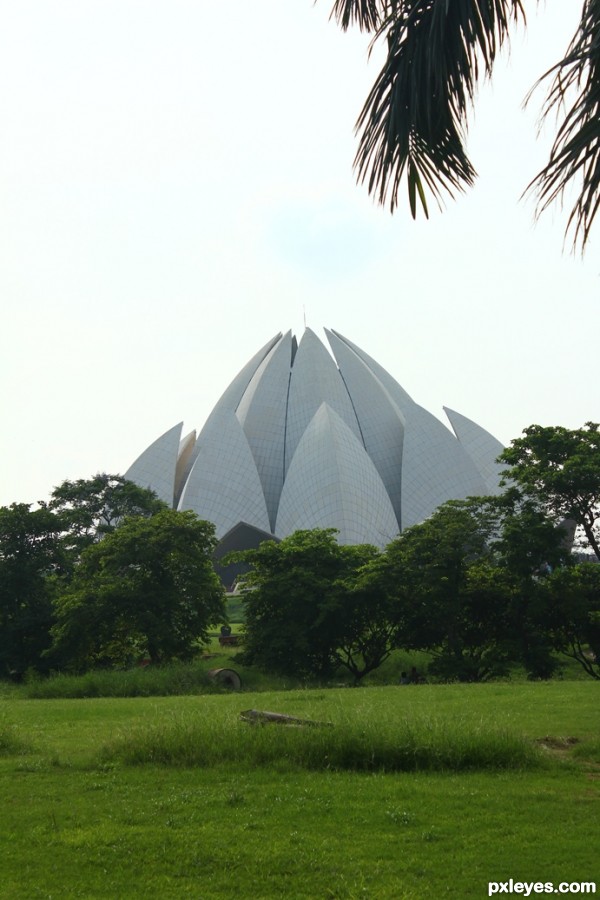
(141, 682)
(175, 679)
(11, 743)
(426, 744)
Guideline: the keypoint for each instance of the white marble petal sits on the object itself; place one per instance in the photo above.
(185, 461)
(228, 401)
(381, 422)
(332, 483)
(155, 467)
(482, 447)
(402, 400)
(315, 379)
(435, 468)
(262, 414)
(223, 486)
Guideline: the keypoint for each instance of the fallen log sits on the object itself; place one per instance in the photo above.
(263, 717)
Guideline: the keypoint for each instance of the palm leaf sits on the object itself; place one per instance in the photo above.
(414, 119)
(366, 14)
(575, 153)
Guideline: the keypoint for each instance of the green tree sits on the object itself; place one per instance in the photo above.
(149, 587)
(575, 614)
(443, 577)
(300, 619)
(527, 547)
(368, 621)
(473, 587)
(414, 121)
(560, 469)
(90, 508)
(30, 555)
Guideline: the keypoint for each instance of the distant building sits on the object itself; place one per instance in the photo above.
(298, 441)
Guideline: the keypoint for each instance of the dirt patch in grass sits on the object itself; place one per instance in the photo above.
(557, 743)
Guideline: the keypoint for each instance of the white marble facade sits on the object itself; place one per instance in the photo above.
(304, 439)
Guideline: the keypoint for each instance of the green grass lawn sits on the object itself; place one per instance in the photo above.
(289, 813)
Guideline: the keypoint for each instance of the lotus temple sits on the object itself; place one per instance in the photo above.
(304, 438)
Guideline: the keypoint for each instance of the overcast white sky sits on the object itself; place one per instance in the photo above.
(176, 187)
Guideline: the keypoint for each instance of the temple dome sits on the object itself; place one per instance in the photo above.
(305, 439)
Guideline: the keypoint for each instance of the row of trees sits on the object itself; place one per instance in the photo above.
(103, 574)
(483, 584)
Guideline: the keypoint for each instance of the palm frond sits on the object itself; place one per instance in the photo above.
(367, 14)
(575, 153)
(414, 119)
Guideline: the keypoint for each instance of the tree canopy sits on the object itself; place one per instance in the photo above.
(31, 555)
(307, 612)
(560, 468)
(575, 615)
(414, 120)
(106, 574)
(475, 585)
(148, 588)
(429, 571)
(91, 507)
